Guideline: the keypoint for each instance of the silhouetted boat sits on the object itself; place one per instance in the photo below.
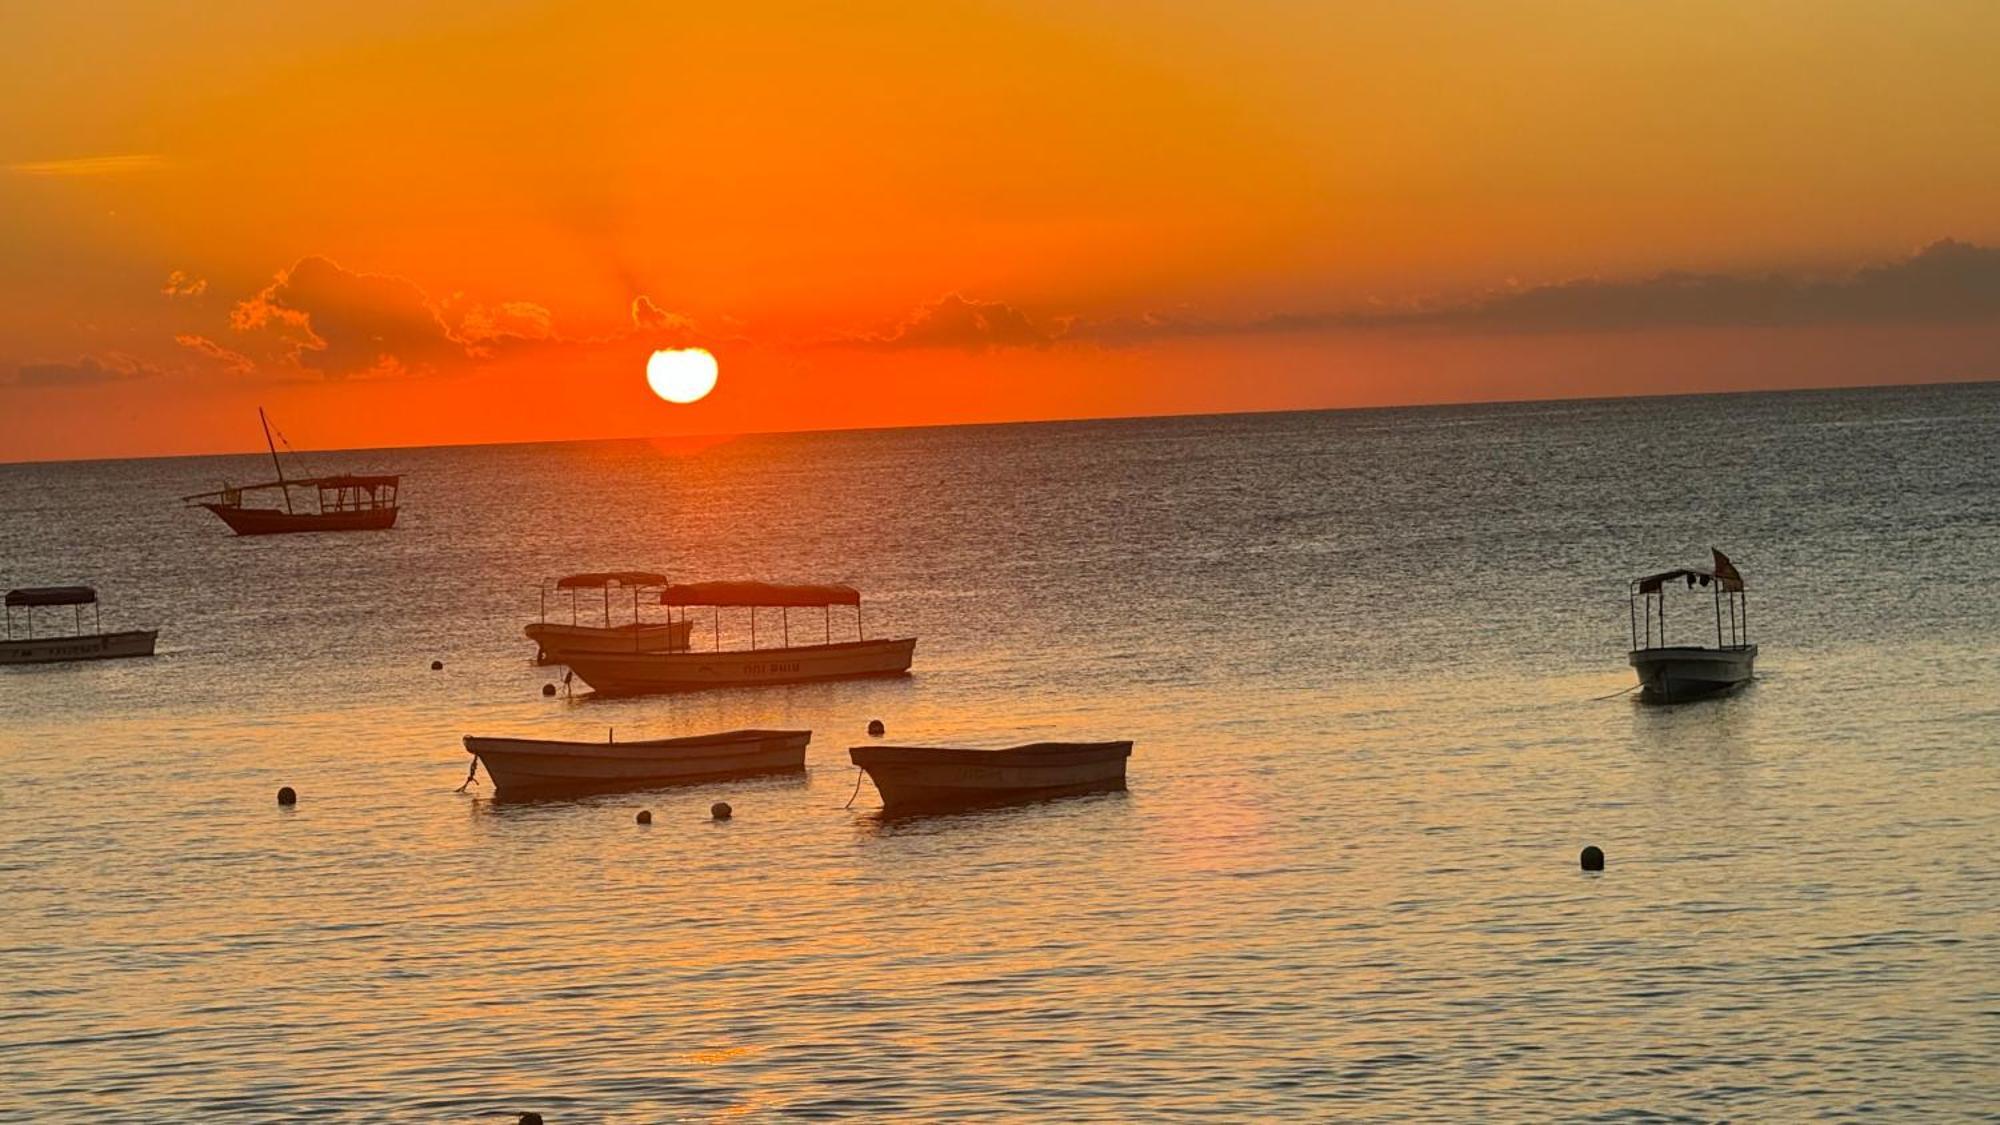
(74, 645)
(519, 764)
(556, 642)
(343, 503)
(1678, 673)
(912, 777)
(631, 673)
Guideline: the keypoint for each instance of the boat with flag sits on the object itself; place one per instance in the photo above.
(556, 642)
(1677, 673)
(715, 666)
(343, 502)
(23, 646)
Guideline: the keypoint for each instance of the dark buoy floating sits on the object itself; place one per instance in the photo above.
(720, 810)
(287, 795)
(530, 1119)
(548, 689)
(645, 816)
(437, 665)
(875, 728)
(1593, 858)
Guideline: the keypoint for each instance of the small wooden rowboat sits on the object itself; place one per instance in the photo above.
(911, 777)
(532, 764)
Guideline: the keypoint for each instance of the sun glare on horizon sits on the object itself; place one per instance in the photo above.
(681, 375)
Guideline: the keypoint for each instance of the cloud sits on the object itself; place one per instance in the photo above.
(91, 166)
(180, 284)
(115, 367)
(319, 317)
(648, 316)
(236, 363)
(1948, 280)
(487, 330)
(954, 321)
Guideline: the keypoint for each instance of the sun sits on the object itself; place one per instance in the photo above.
(681, 375)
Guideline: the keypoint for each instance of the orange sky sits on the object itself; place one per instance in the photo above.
(449, 222)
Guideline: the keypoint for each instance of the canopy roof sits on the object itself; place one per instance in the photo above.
(346, 480)
(758, 594)
(1724, 574)
(599, 579)
(52, 595)
(351, 480)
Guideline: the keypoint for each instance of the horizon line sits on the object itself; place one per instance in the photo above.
(1046, 421)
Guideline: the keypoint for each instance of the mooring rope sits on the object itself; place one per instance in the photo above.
(858, 771)
(470, 775)
(1614, 695)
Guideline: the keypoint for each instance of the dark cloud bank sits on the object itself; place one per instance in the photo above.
(1945, 281)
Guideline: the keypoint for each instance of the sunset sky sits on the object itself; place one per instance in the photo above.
(461, 222)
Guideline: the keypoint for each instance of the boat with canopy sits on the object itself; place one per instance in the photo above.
(345, 502)
(715, 666)
(555, 641)
(1677, 673)
(23, 646)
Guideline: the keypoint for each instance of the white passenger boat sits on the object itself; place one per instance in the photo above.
(630, 673)
(532, 764)
(921, 777)
(556, 641)
(23, 646)
(1671, 673)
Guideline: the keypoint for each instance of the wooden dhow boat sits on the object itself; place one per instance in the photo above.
(346, 502)
(1671, 673)
(555, 642)
(22, 646)
(633, 673)
(929, 777)
(540, 765)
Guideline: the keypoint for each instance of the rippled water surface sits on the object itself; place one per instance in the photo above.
(1358, 653)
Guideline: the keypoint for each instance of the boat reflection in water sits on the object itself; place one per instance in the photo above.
(541, 766)
(924, 778)
(632, 673)
(1680, 673)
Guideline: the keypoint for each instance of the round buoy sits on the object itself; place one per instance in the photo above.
(875, 728)
(437, 665)
(530, 1119)
(645, 816)
(287, 795)
(548, 689)
(1593, 858)
(720, 810)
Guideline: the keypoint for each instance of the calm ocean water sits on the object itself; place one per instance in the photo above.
(1358, 654)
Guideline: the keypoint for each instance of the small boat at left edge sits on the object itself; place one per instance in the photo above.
(51, 648)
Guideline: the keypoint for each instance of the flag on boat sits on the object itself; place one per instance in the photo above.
(1725, 571)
